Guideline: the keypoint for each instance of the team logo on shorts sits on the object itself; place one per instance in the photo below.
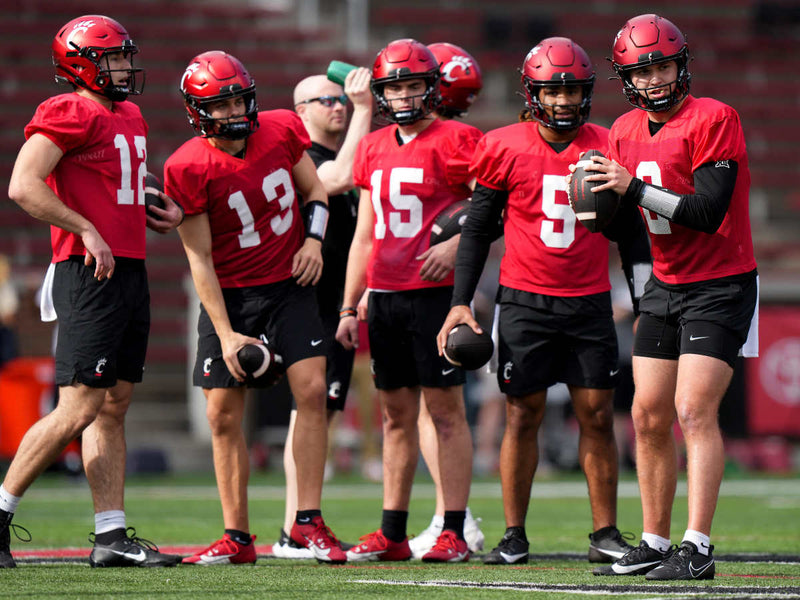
(101, 365)
(507, 371)
(207, 367)
(335, 390)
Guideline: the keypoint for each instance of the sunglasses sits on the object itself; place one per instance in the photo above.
(328, 101)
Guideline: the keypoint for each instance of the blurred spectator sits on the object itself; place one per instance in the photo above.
(9, 304)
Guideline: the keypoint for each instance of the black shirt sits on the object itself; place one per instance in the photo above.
(343, 209)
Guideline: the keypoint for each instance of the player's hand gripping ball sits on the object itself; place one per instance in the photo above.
(594, 210)
(261, 365)
(151, 186)
(466, 349)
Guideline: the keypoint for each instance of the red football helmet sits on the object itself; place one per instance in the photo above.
(648, 40)
(79, 49)
(557, 61)
(401, 60)
(461, 79)
(213, 76)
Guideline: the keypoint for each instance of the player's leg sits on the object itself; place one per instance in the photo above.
(225, 412)
(702, 382)
(597, 451)
(104, 452)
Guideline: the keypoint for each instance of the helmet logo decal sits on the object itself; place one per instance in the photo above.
(190, 70)
(80, 27)
(459, 61)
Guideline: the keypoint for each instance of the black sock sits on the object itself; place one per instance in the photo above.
(454, 521)
(109, 537)
(394, 524)
(5, 518)
(240, 537)
(304, 517)
(518, 532)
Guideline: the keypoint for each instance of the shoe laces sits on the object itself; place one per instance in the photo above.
(322, 530)
(622, 537)
(638, 554)
(376, 538)
(132, 539)
(679, 554)
(226, 543)
(27, 537)
(447, 541)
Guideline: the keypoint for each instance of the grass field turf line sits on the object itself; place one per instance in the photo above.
(756, 534)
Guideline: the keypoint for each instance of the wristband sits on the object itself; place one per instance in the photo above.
(316, 220)
(347, 311)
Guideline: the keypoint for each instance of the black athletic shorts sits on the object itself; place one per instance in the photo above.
(103, 326)
(550, 339)
(402, 339)
(340, 365)
(710, 317)
(283, 315)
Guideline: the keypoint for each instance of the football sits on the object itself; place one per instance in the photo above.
(448, 222)
(262, 366)
(467, 349)
(152, 185)
(594, 210)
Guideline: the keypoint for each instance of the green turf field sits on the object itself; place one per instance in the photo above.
(756, 533)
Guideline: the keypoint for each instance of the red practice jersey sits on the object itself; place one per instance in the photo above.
(702, 131)
(101, 174)
(547, 250)
(410, 185)
(253, 212)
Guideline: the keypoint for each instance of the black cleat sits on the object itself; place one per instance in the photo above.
(607, 545)
(512, 549)
(130, 551)
(684, 563)
(638, 561)
(6, 560)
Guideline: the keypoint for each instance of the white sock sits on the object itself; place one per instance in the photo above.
(656, 542)
(8, 501)
(468, 516)
(437, 521)
(109, 520)
(701, 540)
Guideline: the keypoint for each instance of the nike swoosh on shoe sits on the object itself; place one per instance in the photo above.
(697, 572)
(138, 557)
(623, 570)
(512, 558)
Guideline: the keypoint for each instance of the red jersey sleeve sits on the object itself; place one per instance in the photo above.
(490, 165)
(457, 169)
(61, 122)
(720, 139)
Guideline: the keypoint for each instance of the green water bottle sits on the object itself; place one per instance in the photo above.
(338, 70)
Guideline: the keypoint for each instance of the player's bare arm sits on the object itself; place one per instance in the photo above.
(337, 175)
(195, 235)
(355, 281)
(36, 160)
(307, 262)
(459, 313)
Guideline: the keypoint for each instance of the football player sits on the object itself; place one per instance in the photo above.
(408, 172)
(682, 161)
(254, 264)
(322, 106)
(555, 319)
(82, 170)
(459, 86)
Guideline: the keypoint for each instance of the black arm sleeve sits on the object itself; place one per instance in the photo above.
(628, 231)
(706, 208)
(477, 235)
